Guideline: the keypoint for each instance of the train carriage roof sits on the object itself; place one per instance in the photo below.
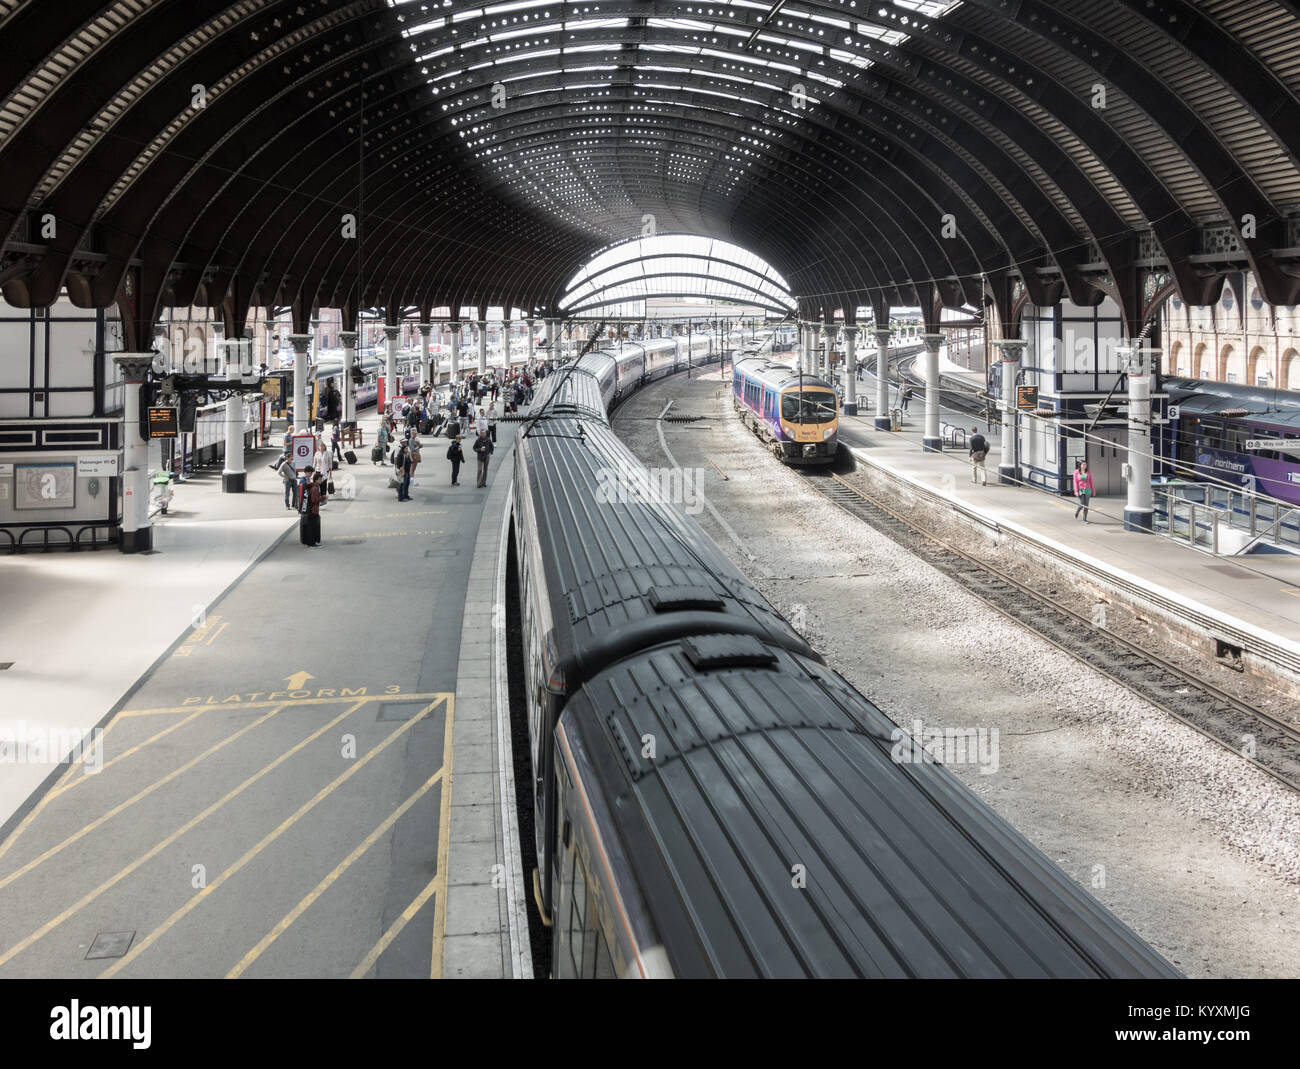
(574, 389)
(778, 376)
(1202, 397)
(762, 777)
(625, 567)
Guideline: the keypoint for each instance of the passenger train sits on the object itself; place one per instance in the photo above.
(797, 415)
(709, 798)
(1214, 422)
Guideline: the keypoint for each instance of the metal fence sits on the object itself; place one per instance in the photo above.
(1223, 520)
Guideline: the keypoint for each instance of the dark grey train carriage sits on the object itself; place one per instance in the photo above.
(711, 799)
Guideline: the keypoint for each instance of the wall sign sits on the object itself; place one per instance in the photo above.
(45, 486)
(1027, 397)
(99, 464)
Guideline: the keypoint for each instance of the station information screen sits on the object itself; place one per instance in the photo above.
(162, 421)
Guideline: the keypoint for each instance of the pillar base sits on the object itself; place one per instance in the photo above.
(883, 424)
(850, 408)
(140, 541)
(1007, 475)
(1137, 519)
(232, 482)
(932, 445)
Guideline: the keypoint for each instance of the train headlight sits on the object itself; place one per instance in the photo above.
(827, 433)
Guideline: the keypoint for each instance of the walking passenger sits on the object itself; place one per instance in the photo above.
(1083, 489)
(483, 449)
(457, 456)
(979, 451)
(904, 397)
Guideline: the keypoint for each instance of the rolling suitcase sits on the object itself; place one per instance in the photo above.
(350, 457)
(377, 453)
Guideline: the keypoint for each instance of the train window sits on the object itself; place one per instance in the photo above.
(577, 916)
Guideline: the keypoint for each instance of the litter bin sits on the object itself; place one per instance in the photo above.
(895, 419)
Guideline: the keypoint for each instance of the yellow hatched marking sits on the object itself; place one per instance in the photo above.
(66, 783)
(138, 796)
(158, 848)
(264, 842)
(329, 880)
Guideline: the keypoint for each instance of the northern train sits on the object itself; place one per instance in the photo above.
(796, 415)
(709, 798)
(1215, 420)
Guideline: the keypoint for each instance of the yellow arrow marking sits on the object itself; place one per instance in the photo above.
(298, 680)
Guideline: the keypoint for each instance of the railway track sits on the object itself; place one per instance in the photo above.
(1216, 714)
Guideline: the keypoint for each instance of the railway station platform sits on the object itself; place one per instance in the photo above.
(291, 758)
(1252, 603)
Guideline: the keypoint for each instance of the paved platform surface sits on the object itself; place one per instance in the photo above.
(274, 796)
(1260, 595)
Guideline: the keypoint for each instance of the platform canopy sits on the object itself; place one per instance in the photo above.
(400, 153)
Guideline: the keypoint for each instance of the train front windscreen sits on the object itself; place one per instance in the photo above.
(808, 406)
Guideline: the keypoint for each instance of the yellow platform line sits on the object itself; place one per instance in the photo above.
(264, 842)
(140, 795)
(329, 880)
(158, 848)
(444, 852)
(206, 706)
(367, 963)
(66, 782)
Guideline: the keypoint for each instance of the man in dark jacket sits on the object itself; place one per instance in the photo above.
(312, 496)
(979, 451)
(457, 456)
(483, 449)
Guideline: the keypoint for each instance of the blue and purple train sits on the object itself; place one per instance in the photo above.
(797, 415)
(1214, 422)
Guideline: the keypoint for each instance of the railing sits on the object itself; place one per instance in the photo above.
(1202, 514)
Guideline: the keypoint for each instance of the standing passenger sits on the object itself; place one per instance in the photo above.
(483, 449)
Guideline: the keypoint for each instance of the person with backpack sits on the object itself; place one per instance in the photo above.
(457, 456)
(1083, 489)
(979, 451)
(402, 465)
(483, 449)
(310, 498)
(904, 397)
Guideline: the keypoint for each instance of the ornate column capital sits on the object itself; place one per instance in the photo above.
(1011, 348)
(301, 343)
(348, 339)
(425, 329)
(883, 336)
(932, 341)
(391, 332)
(851, 330)
(135, 366)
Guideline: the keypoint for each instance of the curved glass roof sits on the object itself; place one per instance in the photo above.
(676, 265)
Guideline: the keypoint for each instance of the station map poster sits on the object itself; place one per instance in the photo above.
(45, 486)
